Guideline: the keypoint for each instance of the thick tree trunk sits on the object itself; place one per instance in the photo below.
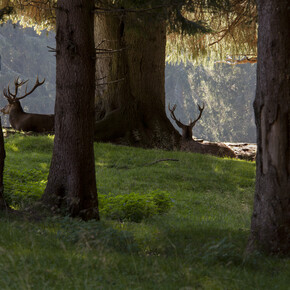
(270, 229)
(132, 110)
(71, 182)
(3, 204)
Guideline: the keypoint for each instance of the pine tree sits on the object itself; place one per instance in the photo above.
(132, 37)
(270, 228)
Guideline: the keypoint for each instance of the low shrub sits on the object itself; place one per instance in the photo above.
(134, 206)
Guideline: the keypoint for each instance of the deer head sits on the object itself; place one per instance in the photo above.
(20, 120)
(13, 100)
(186, 129)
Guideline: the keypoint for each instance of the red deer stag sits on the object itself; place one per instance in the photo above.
(20, 120)
(188, 144)
(186, 129)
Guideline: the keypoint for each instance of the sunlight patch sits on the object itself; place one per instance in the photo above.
(43, 165)
(12, 147)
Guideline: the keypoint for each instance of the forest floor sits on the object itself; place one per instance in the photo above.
(198, 243)
(244, 151)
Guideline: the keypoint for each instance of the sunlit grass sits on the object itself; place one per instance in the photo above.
(198, 244)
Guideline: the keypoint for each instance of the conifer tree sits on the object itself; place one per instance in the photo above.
(131, 53)
(270, 227)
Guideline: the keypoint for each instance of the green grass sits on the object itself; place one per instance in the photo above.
(198, 244)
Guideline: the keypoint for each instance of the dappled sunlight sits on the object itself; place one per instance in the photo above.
(12, 147)
(43, 182)
(204, 231)
(101, 164)
(44, 166)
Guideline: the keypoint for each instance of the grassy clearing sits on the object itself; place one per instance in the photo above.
(198, 244)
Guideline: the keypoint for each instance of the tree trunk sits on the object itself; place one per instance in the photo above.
(270, 228)
(3, 204)
(71, 182)
(132, 110)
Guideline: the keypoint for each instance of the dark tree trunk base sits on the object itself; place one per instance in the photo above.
(140, 131)
(4, 206)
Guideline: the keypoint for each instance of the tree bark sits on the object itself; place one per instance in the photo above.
(3, 204)
(71, 182)
(270, 228)
(132, 110)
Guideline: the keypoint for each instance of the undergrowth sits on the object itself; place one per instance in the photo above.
(133, 206)
(164, 224)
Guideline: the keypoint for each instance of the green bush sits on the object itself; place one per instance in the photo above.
(134, 206)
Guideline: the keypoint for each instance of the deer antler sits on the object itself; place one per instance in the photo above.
(186, 129)
(18, 84)
(37, 84)
(192, 123)
(179, 124)
(6, 95)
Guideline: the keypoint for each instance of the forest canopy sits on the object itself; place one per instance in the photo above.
(196, 30)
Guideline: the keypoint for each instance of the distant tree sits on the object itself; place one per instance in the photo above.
(270, 229)
(71, 185)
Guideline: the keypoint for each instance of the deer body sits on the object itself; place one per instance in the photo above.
(188, 144)
(21, 120)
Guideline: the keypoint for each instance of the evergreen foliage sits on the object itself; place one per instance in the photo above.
(5, 11)
(198, 30)
(201, 30)
(232, 31)
(38, 14)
